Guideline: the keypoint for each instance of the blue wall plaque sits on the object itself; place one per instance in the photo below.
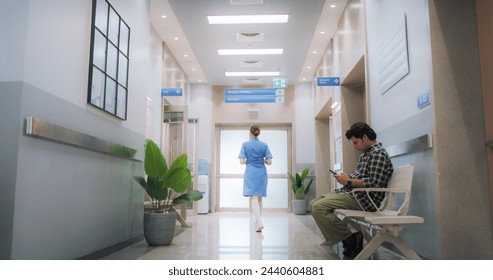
(423, 100)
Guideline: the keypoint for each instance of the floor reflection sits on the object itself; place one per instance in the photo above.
(231, 236)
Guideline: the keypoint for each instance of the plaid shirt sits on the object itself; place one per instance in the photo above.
(375, 168)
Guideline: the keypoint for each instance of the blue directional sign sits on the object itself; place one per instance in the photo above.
(253, 95)
(423, 100)
(171, 92)
(328, 81)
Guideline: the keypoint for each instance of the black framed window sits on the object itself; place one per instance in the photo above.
(109, 60)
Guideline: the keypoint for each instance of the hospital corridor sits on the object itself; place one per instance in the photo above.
(259, 132)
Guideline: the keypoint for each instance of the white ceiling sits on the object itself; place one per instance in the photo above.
(194, 42)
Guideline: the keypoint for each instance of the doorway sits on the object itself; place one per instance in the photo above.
(229, 171)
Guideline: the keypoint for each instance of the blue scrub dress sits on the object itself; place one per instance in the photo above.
(255, 178)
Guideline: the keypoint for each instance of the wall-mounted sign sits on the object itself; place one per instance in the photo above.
(253, 95)
(279, 83)
(171, 92)
(423, 100)
(328, 81)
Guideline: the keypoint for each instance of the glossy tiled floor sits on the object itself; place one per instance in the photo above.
(230, 236)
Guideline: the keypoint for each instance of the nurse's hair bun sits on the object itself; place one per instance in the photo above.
(255, 130)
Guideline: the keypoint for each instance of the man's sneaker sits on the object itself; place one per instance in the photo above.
(352, 245)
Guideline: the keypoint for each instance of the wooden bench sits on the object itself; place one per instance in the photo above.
(386, 221)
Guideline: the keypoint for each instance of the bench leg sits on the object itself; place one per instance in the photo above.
(403, 247)
(371, 247)
(378, 240)
(180, 219)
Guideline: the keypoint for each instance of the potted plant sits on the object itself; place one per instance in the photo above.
(166, 186)
(300, 189)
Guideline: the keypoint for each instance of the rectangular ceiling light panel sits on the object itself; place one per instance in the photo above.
(249, 51)
(251, 74)
(246, 2)
(247, 19)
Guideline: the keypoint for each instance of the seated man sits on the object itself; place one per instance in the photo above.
(374, 170)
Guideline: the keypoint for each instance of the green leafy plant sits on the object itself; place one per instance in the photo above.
(166, 186)
(298, 183)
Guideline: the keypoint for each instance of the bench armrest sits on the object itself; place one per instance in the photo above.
(386, 190)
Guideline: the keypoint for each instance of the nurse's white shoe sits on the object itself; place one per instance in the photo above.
(259, 227)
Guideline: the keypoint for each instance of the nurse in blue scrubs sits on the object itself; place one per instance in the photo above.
(255, 154)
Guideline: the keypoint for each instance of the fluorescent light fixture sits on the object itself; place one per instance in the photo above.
(246, 19)
(249, 51)
(250, 74)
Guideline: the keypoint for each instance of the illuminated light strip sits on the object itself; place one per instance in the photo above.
(249, 51)
(247, 19)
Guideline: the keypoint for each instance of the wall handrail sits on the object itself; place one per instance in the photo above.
(418, 144)
(39, 128)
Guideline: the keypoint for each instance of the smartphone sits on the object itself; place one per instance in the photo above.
(332, 171)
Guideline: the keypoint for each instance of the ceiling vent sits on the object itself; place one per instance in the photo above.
(246, 2)
(252, 81)
(249, 37)
(251, 63)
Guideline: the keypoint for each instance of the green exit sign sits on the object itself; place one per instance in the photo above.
(280, 83)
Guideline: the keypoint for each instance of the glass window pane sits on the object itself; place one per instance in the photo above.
(97, 87)
(278, 145)
(231, 141)
(111, 61)
(102, 15)
(99, 51)
(231, 193)
(124, 37)
(122, 70)
(108, 88)
(114, 26)
(110, 98)
(121, 108)
(277, 193)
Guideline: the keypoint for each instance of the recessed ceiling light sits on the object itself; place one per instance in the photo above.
(314, 52)
(185, 55)
(322, 32)
(332, 6)
(176, 38)
(163, 16)
(250, 74)
(245, 19)
(249, 51)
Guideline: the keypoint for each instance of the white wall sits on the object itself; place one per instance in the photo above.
(304, 125)
(349, 40)
(13, 46)
(200, 107)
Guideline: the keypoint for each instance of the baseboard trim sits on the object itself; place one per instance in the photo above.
(111, 249)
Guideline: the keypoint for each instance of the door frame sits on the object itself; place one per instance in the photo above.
(217, 176)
